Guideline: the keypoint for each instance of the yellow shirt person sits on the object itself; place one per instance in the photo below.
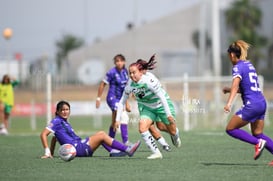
(6, 100)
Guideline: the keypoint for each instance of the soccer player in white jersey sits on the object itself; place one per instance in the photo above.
(153, 103)
(156, 134)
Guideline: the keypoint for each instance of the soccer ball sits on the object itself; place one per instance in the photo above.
(67, 152)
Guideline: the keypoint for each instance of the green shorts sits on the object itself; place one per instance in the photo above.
(8, 109)
(157, 115)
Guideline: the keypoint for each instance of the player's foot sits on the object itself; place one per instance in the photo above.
(128, 143)
(4, 131)
(132, 148)
(259, 148)
(166, 147)
(118, 154)
(270, 163)
(155, 156)
(175, 139)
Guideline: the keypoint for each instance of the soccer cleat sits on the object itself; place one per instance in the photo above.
(155, 156)
(132, 148)
(118, 154)
(270, 163)
(175, 139)
(4, 131)
(166, 147)
(128, 143)
(259, 148)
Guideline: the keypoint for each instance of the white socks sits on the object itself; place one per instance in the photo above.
(162, 141)
(150, 141)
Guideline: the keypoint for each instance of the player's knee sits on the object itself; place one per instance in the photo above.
(142, 129)
(161, 127)
(101, 133)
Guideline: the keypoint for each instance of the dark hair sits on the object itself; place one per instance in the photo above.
(122, 57)
(60, 105)
(6, 76)
(239, 48)
(144, 65)
(233, 48)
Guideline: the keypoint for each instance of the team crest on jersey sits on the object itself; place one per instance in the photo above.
(50, 125)
(139, 92)
(235, 69)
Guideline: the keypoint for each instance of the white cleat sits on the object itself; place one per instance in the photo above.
(155, 156)
(176, 139)
(4, 131)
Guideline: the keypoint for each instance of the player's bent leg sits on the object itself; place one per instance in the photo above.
(161, 126)
(124, 128)
(144, 125)
(175, 136)
(98, 138)
(233, 130)
(159, 138)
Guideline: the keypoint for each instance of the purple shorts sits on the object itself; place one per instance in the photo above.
(83, 148)
(253, 111)
(112, 102)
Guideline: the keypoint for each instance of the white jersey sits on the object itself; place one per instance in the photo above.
(148, 92)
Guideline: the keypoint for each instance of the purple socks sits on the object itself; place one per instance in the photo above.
(243, 136)
(119, 146)
(124, 132)
(112, 133)
(246, 137)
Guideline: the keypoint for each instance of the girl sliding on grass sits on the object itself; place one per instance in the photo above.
(64, 133)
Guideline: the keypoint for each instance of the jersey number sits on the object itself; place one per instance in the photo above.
(253, 79)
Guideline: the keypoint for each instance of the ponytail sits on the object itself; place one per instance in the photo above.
(239, 48)
(144, 65)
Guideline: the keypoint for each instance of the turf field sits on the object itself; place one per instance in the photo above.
(204, 155)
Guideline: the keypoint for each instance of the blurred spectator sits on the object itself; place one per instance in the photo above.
(6, 101)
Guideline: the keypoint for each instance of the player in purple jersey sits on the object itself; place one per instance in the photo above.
(245, 81)
(64, 133)
(116, 78)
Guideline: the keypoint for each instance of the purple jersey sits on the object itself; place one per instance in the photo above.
(65, 134)
(254, 107)
(63, 131)
(249, 85)
(117, 81)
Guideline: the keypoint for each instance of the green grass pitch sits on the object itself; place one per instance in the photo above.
(204, 155)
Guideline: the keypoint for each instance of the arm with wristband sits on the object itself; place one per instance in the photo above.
(43, 137)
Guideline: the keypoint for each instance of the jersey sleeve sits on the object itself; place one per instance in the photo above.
(236, 72)
(108, 77)
(155, 86)
(52, 126)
